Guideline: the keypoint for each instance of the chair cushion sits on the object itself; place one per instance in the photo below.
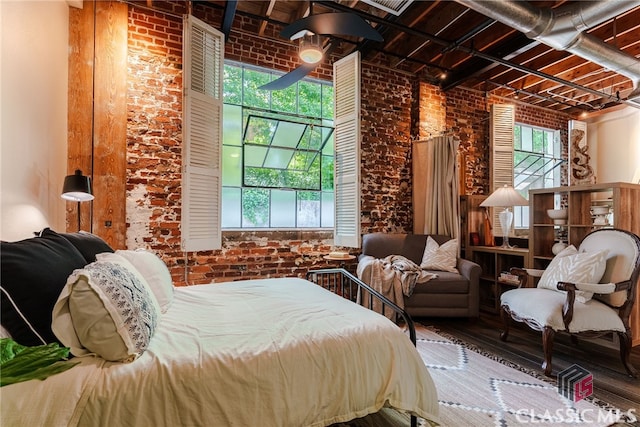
(570, 266)
(440, 257)
(445, 283)
(544, 308)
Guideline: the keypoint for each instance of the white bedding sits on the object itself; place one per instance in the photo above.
(271, 352)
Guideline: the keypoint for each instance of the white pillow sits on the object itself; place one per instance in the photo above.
(106, 308)
(155, 271)
(443, 258)
(575, 267)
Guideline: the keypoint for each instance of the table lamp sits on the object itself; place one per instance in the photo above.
(505, 197)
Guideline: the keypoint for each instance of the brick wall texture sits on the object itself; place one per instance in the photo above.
(396, 109)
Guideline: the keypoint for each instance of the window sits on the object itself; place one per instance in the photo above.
(277, 153)
(537, 163)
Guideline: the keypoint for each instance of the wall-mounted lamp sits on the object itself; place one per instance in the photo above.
(77, 188)
(505, 197)
(310, 48)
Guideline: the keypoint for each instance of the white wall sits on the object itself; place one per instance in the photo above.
(33, 131)
(614, 145)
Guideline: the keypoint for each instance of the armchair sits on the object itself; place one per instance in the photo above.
(594, 293)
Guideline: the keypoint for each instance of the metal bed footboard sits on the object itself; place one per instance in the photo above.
(341, 282)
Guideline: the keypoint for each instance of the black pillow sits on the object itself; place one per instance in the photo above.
(88, 244)
(33, 273)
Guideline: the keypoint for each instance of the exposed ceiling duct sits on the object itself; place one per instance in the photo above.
(564, 29)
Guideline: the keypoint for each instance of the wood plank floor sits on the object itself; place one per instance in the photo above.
(524, 347)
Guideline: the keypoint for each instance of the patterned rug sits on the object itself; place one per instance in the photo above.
(476, 389)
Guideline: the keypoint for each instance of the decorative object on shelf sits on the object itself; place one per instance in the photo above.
(559, 216)
(558, 247)
(505, 197)
(600, 214)
(77, 188)
(580, 171)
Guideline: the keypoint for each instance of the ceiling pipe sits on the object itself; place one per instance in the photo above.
(563, 29)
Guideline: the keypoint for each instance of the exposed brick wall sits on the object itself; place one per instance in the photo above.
(385, 150)
(396, 108)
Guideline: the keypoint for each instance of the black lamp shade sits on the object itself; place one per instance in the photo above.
(77, 187)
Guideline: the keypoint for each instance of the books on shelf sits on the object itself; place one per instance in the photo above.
(511, 279)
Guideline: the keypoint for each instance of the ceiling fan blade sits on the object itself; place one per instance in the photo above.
(342, 23)
(290, 78)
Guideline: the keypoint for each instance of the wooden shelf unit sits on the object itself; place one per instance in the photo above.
(494, 260)
(623, 198)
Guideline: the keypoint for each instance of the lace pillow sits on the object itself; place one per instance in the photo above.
(153, 269)
(107, 309)
(440, 257)
(575, 267)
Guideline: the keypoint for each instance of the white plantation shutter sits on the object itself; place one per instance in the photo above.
(346, 86)
(202, 135)
(502, 125)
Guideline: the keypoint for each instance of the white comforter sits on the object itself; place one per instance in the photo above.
(272, 352)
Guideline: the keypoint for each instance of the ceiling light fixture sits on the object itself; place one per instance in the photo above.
(310, 48)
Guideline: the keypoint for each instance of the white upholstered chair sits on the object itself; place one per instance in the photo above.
(575, 303)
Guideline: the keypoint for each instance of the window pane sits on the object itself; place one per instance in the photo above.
(283, 208)
(309, 95)
(538, 141)
(231, 207)
(527, 139)
(232, 89)
(232, 125)
(254, 155)
(231, 167)
(327, 173)
(327, 209)
(285, 99)
(278, 158)
(288, 134)
(260, 130)
(517, 137)
(254, 97)
(255, 208)
(327, 102)
(308, 209)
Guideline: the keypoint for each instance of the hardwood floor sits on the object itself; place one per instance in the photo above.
(524, 347)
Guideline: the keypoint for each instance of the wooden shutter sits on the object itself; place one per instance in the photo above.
(346, 84)
(202, 135)
(502, 125)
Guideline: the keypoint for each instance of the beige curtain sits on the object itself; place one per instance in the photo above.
(435, 186)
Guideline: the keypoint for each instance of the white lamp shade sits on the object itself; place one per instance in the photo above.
(505, 196)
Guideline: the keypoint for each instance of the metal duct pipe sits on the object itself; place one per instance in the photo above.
(563, 28)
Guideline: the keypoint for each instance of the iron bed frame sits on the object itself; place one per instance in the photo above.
(341, 282)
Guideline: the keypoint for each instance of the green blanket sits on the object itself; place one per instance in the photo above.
(20, 363)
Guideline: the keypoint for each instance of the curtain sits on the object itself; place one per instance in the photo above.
(435, 186)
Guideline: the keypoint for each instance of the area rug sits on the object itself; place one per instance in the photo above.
(476, 389)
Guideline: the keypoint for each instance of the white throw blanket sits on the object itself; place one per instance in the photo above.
(394, 277)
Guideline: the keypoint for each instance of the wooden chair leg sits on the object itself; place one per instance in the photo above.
(506, 320)
(625, 353)
(547, 348)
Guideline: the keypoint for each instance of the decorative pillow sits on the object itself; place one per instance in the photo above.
(443, 258)
(107, 309)
(155, 272)
(34, 271)
(87, 243)
(575, 267)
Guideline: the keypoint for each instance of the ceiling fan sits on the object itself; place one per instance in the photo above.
(308, 31)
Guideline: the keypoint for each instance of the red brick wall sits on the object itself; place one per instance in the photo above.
(389, 104)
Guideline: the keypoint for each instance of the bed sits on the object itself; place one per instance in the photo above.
(269, 352)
